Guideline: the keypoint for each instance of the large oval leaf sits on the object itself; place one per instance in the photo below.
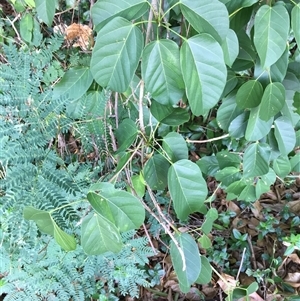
(45, 10)
(119, 207)
(156, 172)
(256, 160)
(285, 135)
(257, 128)
(271, 29)
(249, 94)
(99, 235)
(202, 16)
(105, 10)
(168, 114)
(228, 111)
(187, 188)
(295, 22)
(42, 219)
(175, 146)
(116, 54)
(272, 101)
(65, 240)
(230, 46)
(161, 71)
(126, 134)
(75, 82)
(187, 264)
(204, 72)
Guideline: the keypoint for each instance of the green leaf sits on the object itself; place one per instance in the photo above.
(227, 159)
(295, 162)
(187, 187)
(247, 55)
(187, 265)
(205, 243)
(105, 10)
(26, 27)
(228, 111)
(271, 28)
(231, 82)
(42, 219)
(161, 71)
(206, 271)
(204, 72)
(209, 165)
(46, 224)
(175, 146)
(272, 101)
(156, 172)
(230, 47)
(116, 54)
(256, 160)
(202, 17)
(168, 114)
(119, 207)
(236, 187)
(126, 134)
(296, 102)
(210, 217)
(65, 240)
(295, 22)
(75, 82)
(238, 125)
(99, 235)
(285, 135)
(264, 182)
(249, 94)
(138, 184)
(248, 194)
(257, 128)
(228, 175)
(45, 10)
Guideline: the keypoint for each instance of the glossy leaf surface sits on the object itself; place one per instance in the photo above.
(116, 54)
(271, 28)
(187, 187)
(161, 71)
(204, 72)
(188, 267)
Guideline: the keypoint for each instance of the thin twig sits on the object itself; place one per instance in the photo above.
(241, 265)
(13, 25)
(152, 197)
(208, 140)
(150, 241)
(254, 265)
(141, 112)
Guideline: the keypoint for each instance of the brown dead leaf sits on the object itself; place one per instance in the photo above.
(273, 297)
(294, 207)
(231, 206)
(78, 35)
(293, 279)
(227, 283)
(256, 209)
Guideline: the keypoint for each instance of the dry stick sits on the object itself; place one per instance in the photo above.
(149, 238)
(209, 140)
(13, 25)
(252, 253)
(152, 197)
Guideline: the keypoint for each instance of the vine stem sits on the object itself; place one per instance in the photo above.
(180, 250)
(209, 140)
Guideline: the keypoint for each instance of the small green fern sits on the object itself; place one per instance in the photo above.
(34, 171)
